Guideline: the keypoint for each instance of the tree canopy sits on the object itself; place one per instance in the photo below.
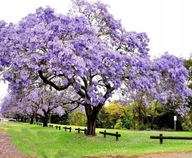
(90, 51)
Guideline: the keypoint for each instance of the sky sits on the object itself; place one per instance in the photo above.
(168, 23)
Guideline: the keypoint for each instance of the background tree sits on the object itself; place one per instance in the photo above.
(164, 82)
(8, 107)
(78, 118)
(115, 111)
(186, 111)
(110, 114)
(39, 102)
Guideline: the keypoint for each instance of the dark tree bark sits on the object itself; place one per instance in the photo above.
(23, 119)
(92, 113)
(134, 117)
(91, 125)
(32, 118)
(140, 118)
(45, 120)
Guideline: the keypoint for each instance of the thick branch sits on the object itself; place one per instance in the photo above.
(108, 91)
(52, 84)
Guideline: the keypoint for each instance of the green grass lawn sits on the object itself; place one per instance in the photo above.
(45, 142)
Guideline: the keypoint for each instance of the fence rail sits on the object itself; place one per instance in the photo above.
(161, 137)
(117, 135)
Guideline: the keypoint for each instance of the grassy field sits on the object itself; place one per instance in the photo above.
(45, 142)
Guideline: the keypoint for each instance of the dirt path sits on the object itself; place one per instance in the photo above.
(7, 149)
(169, 155)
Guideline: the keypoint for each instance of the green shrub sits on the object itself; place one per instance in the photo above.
(118, 125)
(187, 124)
(142, 127)
(78, 119)
(127, 124)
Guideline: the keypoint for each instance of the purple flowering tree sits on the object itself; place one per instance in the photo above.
(173, 76)
(8, 106)
(87, 49)
(40, 102)
(163, 81)
(88, 52)
(12, 107)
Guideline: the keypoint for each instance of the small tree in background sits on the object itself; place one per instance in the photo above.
(78, 118)
(110, 115)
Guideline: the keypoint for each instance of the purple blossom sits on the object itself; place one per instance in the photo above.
(89, 52)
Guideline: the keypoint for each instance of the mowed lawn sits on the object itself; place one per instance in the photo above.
(45, 142)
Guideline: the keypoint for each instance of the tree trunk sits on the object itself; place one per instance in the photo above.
(32, 119)
(140, 115)
(45, 120)
(22, 118)
(91, 113)
(134, 117)
(91, 125)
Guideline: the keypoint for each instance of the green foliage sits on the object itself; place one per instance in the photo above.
(164, 120)
(103, 120)
(64, 119)
(115, 111)
(142, 127)
(119, 124)
(187, 124)
(42, 142)
(78, 119)
(188, 63)
(109, 115)
(127, 124)
(154, 116)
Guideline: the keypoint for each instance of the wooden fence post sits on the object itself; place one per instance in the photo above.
(85, 131)
(161, 138)
(104, 133)
(116, 136)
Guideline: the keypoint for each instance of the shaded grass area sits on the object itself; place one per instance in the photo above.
(45, 142)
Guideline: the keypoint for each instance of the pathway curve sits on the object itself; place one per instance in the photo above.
(7, 149)
(169, 155)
